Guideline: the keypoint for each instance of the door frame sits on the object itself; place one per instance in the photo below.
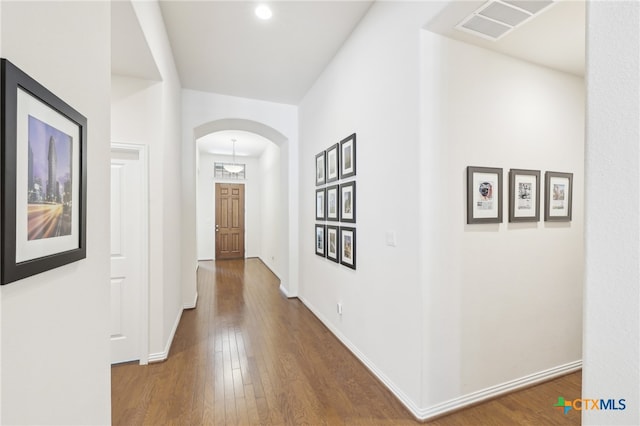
(143, 157)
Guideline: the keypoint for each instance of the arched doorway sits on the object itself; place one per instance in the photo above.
(287, 217)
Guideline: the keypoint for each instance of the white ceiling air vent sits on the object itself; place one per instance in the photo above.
(496, 18)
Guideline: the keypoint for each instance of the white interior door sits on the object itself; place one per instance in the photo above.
(128, 277)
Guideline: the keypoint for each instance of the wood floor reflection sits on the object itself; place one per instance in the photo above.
(249, 356)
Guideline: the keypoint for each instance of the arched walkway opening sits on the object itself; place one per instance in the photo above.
(267, 195)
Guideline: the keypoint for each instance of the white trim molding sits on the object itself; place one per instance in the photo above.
(162, 356)
(497, 390)
(283, 290)
(451, 405)
(192, 305)
(404, 399)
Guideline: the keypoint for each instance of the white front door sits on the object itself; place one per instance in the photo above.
(128, 276)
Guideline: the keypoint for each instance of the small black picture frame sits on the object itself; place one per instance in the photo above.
(558, 196)
(333, 203)
(320, 241)
(484, 195)
(333, 163)
(348, 247)
(348, 156)
(321, 204)
(524, 195)
(44, 178)
(348, 202)
(333, 243)
(321, 169)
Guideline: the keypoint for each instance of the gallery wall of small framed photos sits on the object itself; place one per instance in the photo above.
(336, 202)
(485, 195)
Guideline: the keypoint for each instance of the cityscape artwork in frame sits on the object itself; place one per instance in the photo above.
(333, 245)
(348, 157)
(320, 240)
(348, 247)
(524, 195)
(558, 190)
(44, 178)
(484, 195)
(320, 169)
(333, 163)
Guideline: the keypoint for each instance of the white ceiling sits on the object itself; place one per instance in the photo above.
(555, 38)
(219, 143)
(222, 47)
(130, 54)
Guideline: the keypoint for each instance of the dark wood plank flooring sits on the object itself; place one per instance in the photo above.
(247, 355)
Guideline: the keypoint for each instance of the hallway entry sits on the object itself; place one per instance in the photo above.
(229, 230)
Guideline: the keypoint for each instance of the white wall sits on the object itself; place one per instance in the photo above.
(55, 326)
(272, 245)
(501, 302)
(207, 206)
(372, 88)
(477, 306)
(200, 108)
(148, 113)
(612, 297)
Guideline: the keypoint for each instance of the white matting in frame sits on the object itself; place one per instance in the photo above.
(29, 111)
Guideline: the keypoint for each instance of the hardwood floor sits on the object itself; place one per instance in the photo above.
(247, 355)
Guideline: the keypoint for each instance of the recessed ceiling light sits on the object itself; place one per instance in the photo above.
(264, 12)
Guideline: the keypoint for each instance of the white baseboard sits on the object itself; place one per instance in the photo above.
(451, 405)
(285, 292)
(161, 356)
(497, 390)
(404, 399)
(193, 304)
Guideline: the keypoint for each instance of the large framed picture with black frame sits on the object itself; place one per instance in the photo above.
(44, 178)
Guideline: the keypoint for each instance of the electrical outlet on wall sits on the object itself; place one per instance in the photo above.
(339, 308)
(391, 238)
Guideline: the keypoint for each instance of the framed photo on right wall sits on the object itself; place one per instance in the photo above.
(348, 156)
(321, 244)
(348, 247)
(333, 163)
(333, 203)
(558, 196)
(524, 195)
(484, 195)
(333, 246)
(348, 202)
(321, 169)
